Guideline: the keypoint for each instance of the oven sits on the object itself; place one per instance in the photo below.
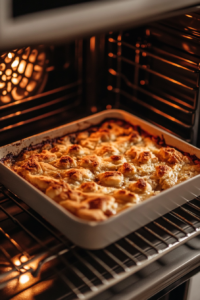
(60, 62)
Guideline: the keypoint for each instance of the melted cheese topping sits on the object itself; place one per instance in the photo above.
(97, 173)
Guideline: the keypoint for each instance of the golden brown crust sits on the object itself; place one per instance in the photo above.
(90, 162)
(163, 171)
(103, 134)
(140, 186)
(88, 187)
(101, 171)
(76, 150)
(80, 175)
(65, 162)
(123, 196)
(58, 191)
(31, 166)
(111, 178)
(128, 170)
(170, 155)
(107, 150)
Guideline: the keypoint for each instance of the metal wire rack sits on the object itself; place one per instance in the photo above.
(34, 256)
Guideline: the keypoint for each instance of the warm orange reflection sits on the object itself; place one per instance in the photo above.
(111, 40)
(187, 37)
(24, 278)
(29, 70)
(93, 109)
(17, 262)
(5, 99)
(27, 52)
(33, 56)
(92, 43)
(23, 82)
(8, 72)
(119, 38)
(8, 59)
(21, 71)
(2, 84)
(147, 32)
(113, 72)
(15, 63)
(2, 67)
(23, 258)
(30, 87)
(9, 87)
(22, 66)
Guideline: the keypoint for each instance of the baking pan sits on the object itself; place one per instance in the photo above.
(96, 235)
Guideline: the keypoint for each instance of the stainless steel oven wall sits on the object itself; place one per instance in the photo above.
(154, 72)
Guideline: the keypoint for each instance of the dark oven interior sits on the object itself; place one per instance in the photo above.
(153, 72)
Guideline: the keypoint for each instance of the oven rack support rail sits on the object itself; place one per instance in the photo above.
(92, 271)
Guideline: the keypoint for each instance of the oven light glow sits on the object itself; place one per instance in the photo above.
(111, 40)
(8, 72)
(93, 109)
(92, 43)
(113, 72)
(24, 278)
(22, 66)
(3, 77)
(23, 258)
(21, 72)
(17, 263)
(15, 63)
(147, 32)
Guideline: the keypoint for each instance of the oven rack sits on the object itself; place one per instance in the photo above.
(30, 248)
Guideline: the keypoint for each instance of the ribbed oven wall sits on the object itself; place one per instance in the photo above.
(154, 72)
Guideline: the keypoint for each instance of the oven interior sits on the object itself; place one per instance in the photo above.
(151, 71)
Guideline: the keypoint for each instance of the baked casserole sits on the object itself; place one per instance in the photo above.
(99, 172)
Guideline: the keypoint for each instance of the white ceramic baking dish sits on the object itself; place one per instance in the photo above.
(95, 235)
